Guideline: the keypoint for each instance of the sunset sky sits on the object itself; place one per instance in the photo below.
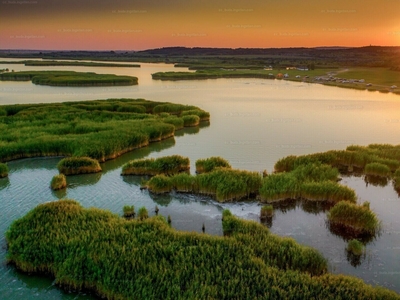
(146, 24)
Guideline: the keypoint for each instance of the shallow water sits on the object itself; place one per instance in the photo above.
(254, 122)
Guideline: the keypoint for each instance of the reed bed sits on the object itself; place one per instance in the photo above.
(191, 120)
(159, 184)
(267, 211)
(69, 78)
(327, 191)
(355, 247)
(142, 214)
(78, 165)
(168, 165)
(209, 164)
(184, 183)
(132, 259)
(356, 218)
(203, 115)
(172, 108)
(377, 169)
(58, 182)
(3, 170)
(100, 129)
(129, 211)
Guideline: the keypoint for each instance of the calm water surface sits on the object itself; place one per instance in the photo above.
(254, 122)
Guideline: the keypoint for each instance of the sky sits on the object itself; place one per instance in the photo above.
(148, 24)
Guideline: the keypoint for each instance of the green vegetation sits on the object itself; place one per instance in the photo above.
(212, 74)
(78, 165)
(377, 169)
(168, 165)
(100, 129)
(224, 184)
(3, 170)
(311, 181)
(129, 211)
(378, 161)
(132, 259)
(159, 184)
(267, 211)
(69, 78)
(209, 164)
(355, 247)
(58, 182)
(191, 120)
(46, 63)
(203, 115)
(142, 214)
(355, 218)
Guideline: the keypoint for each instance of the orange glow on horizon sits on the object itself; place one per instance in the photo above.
(151, 24)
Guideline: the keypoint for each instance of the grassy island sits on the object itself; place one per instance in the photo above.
(3, 170)
(58, 182)
(99, 129)
(46, 63)
(78, 165)
(147, 259)
(69, 78)
(354, 218)
(168, 165)
(209, 164)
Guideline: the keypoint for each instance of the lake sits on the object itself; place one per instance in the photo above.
(254, 122)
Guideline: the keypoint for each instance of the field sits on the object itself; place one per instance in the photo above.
(68, 78)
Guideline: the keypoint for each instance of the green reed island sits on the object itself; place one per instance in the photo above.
(58, 182)
(99, 129)
(168, 165)
(78, 165)
(3, 170)
(147, 259)
(69, 78)
(47, 63)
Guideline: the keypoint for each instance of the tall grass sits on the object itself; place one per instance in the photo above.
(78, 165)
(377, 169)
(203, 115)
(358, 219)
(159, 184)
(267, 211)
(129, 211)
(209, 164)
(100, 129)
(69, 78)
(191, 120)
(3, 170)
(58, 182)
(168, 165)
(131, 259)
(355, 247)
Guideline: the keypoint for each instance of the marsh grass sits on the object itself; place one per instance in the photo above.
(69, 78)
(267, 211)
(129, 211)
(355, 247)
(203, 115)
(142, 213)
(3, 170)
(355, 218)
(209, 164)
(377, 169)
(168, 165)
(58, 182)
(100, 129)
(159, 184)
(132, 259)
(78, 165)
(191, 120)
